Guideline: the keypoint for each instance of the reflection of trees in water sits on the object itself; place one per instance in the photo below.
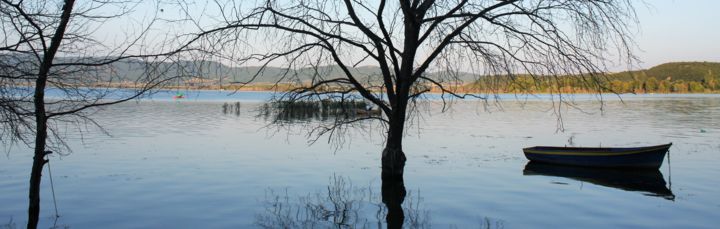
(484, 223)
(341, 205)
(9, 225)
(231, 108)
(335, 109)
(683, 106)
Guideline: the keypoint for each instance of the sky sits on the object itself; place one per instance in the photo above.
(668, 31)
(678, 30)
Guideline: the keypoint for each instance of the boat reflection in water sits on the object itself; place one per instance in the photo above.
(649, 182)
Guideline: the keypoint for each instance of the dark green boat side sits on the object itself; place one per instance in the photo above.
(631, 157)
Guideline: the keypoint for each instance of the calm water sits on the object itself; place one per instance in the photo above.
(186, 164)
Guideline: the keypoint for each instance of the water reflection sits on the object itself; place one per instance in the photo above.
(648, 182)
(231, 108)
(343, 205)
(393, 195)
(323, 110)
(9, 225)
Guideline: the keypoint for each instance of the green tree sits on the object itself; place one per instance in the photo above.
(711, 81)
(617, 86)
(696, 87)
(665, 86)
(679, 86)
(651, 85)
(637, 85)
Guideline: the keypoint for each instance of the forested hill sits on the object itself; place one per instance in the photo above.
(686, 71)
(675, 77)
(670, 77)
(678, 77)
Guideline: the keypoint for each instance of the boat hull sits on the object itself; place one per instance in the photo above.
(636, 157)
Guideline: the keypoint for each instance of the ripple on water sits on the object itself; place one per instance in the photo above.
(186, 164)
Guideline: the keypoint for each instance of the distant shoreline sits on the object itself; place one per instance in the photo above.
(260, 89)
(460, 90)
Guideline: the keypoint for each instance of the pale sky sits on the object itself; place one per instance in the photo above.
(678, 30)
(669, 30)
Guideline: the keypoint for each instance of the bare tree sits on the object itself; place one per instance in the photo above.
(419, 45)
(52, 47)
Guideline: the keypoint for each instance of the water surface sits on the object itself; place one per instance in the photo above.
(186, 164)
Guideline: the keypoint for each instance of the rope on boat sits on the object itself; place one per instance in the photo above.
(52, 188)
(669, 171)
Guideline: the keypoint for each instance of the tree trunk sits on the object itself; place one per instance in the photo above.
(35, 178)
(393, 157)
(39, 155)
(41, 117)
(393, 165)
(39, 158)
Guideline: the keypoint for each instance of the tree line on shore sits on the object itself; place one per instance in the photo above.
(676, 77)
(680, 77)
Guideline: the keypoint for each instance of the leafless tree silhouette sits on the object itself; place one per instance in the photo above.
(420, 46)
(52, 47)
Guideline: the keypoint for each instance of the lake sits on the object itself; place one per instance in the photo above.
(188, 164)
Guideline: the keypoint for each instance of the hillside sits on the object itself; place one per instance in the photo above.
(686, 71)
(223, 74)
(705, 74)
(220, 74)
(676, 77)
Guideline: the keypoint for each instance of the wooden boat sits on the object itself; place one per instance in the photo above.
(633, 157)
(649, 182)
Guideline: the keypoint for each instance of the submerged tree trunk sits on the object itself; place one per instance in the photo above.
(393, 157)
